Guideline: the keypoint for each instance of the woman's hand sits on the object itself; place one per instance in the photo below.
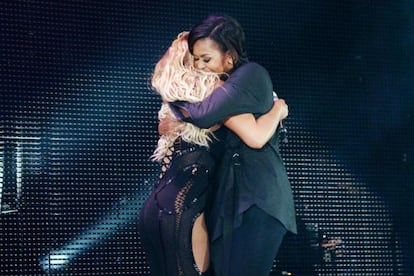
(167, 126)
(280, 109)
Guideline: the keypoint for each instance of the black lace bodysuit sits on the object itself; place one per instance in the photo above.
(168, 215)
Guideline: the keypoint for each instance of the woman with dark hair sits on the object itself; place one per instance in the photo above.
(252, 206)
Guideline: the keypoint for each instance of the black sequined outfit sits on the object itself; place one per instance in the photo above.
(168, 215)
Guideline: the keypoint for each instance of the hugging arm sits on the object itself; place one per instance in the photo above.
(255, 133)
(248, 90)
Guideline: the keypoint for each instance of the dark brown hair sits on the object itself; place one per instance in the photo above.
(226, 32)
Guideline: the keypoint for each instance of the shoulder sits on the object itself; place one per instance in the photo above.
(251, 66)
(250, 79)
(252, 70)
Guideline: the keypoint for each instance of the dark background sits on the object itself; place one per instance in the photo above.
(79, 122)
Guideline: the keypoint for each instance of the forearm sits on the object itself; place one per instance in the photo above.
(255, 133)
(246, 91)
(266, 126)
(212, 110)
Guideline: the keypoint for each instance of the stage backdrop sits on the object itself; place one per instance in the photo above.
(79, 122)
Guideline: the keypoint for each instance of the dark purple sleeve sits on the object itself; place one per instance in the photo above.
(248, 90)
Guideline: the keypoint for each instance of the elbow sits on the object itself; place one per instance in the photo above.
(255, 143)
(258, 146)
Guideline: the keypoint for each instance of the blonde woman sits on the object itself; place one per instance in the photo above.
(173, 229)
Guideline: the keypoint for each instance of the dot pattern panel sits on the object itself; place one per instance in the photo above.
(79, 123)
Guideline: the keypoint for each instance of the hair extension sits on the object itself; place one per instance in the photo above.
(175, 79)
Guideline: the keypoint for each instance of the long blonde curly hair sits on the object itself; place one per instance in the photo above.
(175, 79)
